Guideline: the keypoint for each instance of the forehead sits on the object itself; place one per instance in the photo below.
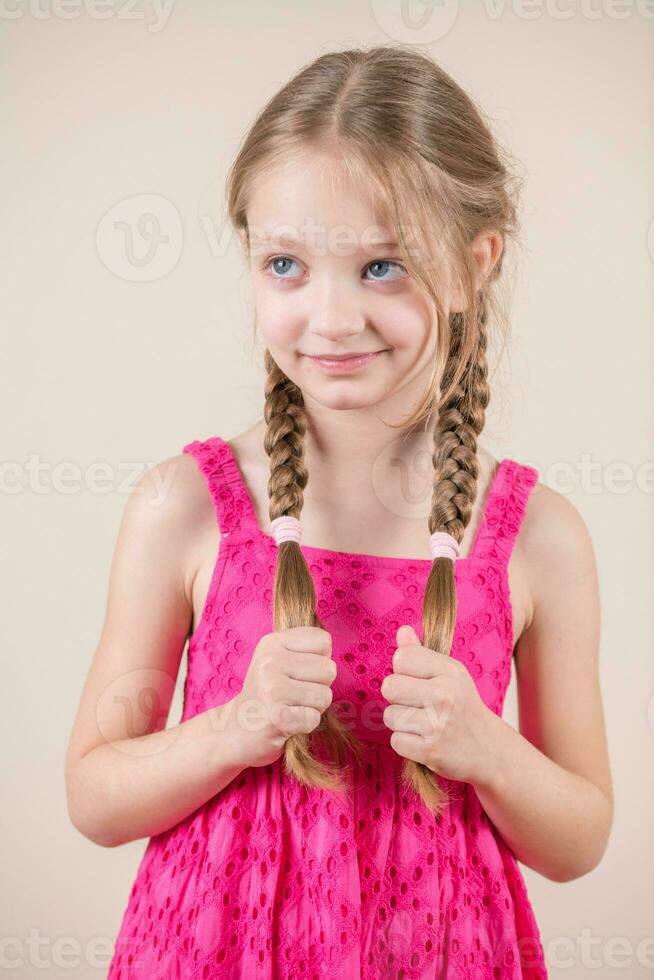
(298, 198)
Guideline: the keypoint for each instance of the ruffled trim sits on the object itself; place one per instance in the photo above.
(503, 513)
(230, 497)
(505, 510)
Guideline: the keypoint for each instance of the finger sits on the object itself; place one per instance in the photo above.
(308, 694)
(407, 690)
(307, 639)
(416, 661)
(406, 635)
(293, 719)
(310, 667)
(403, 718)
(410, 746)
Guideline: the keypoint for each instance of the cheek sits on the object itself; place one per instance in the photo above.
(278, 332)
(278, 322)
(408, 330)
(403, 317)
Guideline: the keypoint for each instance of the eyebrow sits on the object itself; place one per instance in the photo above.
(289, 240)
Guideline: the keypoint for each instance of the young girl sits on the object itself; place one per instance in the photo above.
(342, 797)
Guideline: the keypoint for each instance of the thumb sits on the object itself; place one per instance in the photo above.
(406, 635)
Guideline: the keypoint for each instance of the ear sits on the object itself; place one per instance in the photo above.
(486, 250)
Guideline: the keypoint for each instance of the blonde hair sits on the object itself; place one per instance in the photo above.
(391, 115)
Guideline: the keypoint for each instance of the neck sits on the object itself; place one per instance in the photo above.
(358, 458)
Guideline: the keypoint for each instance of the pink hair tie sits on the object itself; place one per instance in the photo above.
(444, 545)
(286, 528)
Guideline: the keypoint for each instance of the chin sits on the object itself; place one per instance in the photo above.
(342, 401)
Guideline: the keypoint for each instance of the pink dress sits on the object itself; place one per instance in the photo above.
(271, 880)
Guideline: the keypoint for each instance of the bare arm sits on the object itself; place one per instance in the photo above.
(548, 788)
(127, 776)
(131, 788)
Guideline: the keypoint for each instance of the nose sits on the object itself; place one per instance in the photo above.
(334, 313)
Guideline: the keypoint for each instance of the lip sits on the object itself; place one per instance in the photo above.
(344, 363)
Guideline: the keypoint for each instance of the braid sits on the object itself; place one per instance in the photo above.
(294, 601)
(456, 469)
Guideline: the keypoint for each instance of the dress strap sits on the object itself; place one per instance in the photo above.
(505, 509)
(231, 500)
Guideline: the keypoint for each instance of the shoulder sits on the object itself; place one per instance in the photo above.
(553, 528)
(554, 546)
(168, 512)
(172, 493)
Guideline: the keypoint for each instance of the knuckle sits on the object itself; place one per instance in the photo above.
(268, 667)
(449, 692)
(326, 642)
(447, 698)
(268, 644)
(434, 687)
(311, 719)
(273, 691)
(300, 720)
(320, 696)
(292, 722)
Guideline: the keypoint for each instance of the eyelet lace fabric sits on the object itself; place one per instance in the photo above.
(272, 880)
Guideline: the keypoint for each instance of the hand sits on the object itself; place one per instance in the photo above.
(435, 711)
(285, 691)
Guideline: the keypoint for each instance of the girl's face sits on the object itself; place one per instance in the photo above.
(328, 280)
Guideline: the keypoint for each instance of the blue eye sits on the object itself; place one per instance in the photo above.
(279, 265)
(273, 264)
(386, 264)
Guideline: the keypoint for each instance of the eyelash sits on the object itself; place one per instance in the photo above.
(274, 258)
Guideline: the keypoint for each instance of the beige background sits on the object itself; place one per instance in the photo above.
(120, 358)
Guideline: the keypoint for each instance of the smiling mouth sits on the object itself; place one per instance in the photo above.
(344, 363)
(343, 357)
